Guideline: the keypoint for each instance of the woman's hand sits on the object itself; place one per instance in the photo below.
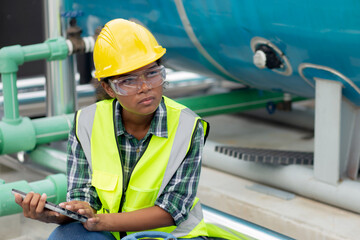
(33, 206)
(83, 208)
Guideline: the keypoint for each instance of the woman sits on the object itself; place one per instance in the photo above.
(134, 160)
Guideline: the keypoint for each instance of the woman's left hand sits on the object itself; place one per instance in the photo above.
(83, 208)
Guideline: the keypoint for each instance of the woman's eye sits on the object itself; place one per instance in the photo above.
(128, 81)
(152, 74)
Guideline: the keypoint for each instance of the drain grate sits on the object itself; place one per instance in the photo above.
(276, 157)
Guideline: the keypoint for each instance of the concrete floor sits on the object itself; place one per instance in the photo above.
(295, 216)
(298, 217)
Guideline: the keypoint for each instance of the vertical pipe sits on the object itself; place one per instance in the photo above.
(327, 144)
(69, 65)
(60, 84)
(11, 103)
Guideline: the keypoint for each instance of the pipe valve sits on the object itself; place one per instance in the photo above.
(76, 43)
(265, 56)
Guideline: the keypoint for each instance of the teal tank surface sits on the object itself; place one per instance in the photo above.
(271, 45)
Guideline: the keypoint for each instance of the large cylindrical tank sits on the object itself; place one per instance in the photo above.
(311, 39)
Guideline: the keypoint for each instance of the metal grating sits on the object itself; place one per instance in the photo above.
(270, 156)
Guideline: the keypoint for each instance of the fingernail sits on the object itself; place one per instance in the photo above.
(43, 195)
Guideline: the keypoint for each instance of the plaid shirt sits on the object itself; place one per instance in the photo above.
(177, 197)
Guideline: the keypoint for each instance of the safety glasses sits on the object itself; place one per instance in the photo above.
(130, 84)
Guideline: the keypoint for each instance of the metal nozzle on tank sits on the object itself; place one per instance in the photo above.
(267, 55)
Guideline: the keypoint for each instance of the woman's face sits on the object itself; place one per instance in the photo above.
(145, 101)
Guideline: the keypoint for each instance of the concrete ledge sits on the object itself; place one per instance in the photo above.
(17, 227)
(299, 217)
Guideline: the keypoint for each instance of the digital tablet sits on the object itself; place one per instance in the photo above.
(56, 208)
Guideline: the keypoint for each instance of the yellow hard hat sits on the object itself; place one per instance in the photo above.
(123, 46)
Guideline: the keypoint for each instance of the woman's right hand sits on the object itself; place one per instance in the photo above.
(33, 206)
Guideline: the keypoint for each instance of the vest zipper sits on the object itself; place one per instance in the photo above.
(124, 188)
(123, 195)
(119, 152)
(122, 234)
(131, 171)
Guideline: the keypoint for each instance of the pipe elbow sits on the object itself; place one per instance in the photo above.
(10, 58)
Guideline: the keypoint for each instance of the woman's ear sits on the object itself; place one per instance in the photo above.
(108, 89)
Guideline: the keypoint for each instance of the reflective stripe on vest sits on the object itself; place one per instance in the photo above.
(161, 159)
(83, 134)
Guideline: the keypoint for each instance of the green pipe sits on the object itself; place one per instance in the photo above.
(11, 104)
(16, 138)
(54, 186)
(2, 181)
(52, 129)
(49, 158)
(13, 126)
(231, 102)
(13, 56)
(28, 133)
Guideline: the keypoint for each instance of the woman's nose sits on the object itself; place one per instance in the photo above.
(143, 84)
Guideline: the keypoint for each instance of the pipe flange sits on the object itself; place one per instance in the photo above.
(267, 55)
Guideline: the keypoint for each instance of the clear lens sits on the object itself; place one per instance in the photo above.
(131, 84)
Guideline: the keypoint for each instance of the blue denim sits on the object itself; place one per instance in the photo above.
(76, 231)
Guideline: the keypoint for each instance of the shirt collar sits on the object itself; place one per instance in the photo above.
(158, 126)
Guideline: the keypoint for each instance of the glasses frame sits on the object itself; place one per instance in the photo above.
(115, 82)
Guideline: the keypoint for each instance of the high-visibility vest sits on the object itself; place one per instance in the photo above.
(95, 130)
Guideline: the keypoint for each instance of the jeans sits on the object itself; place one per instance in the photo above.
(76, 231)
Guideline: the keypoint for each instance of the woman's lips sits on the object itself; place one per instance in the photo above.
(147, 100)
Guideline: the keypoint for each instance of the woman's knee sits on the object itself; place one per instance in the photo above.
(76, 231)
(67, 231)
